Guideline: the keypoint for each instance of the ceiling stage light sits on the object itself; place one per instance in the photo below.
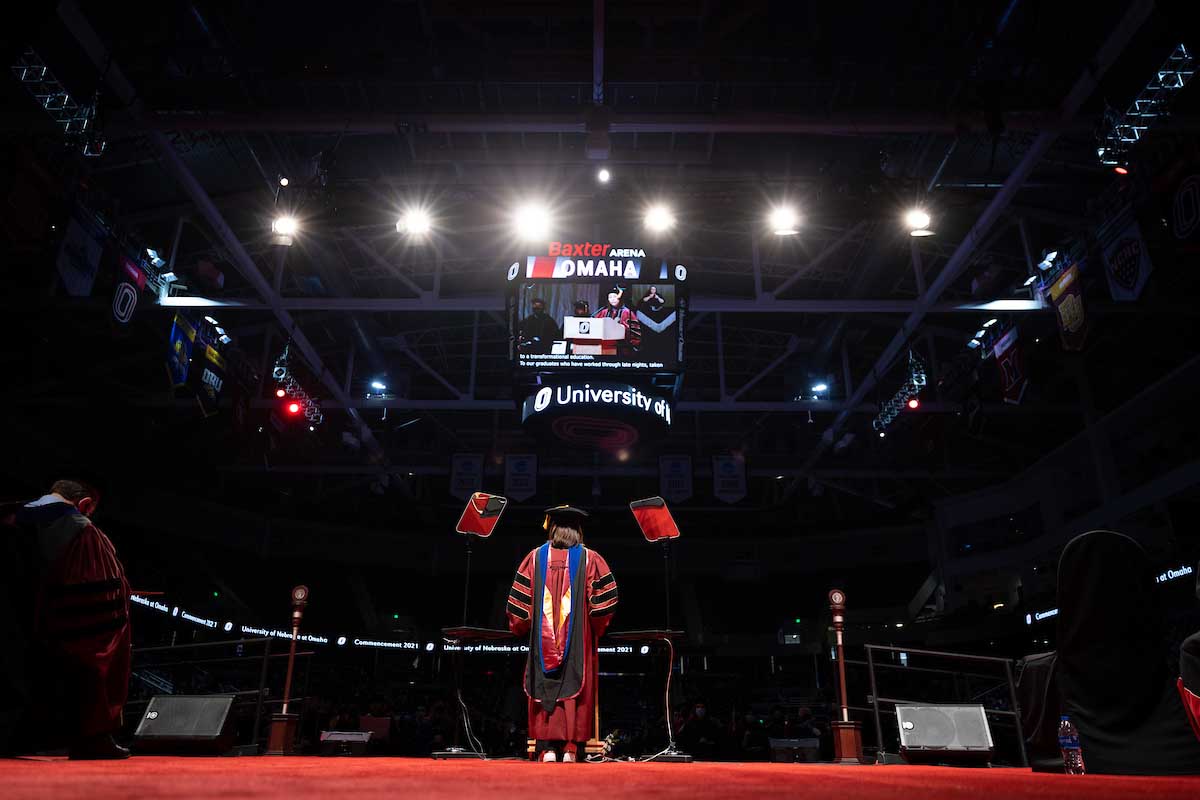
(280, 393)
(990, 322)
(1121, 170)
(378, 386)
(604, 176)
(283, 181)
(293, 408)
(414, 222)
(820, 387)
(784, 221)
(659, 218)
(914, 403)
(917, 219)
(532, 222)
(285, 226)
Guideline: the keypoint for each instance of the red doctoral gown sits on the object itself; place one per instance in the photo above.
(578, 595)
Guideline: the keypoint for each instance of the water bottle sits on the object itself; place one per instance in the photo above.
(1068, 743)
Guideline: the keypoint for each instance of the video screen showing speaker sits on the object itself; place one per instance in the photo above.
(595, 307)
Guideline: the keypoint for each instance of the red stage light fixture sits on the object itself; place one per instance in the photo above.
(280, 393)
(1121, 170)
(914, 402)
(293, 408)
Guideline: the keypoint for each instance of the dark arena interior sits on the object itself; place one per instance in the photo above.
(354, 354)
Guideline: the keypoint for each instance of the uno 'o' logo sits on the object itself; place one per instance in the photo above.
(680, 272)
(341, 640)
(585, 327)
(151, 715)
(124, 302)
(513, 270)
(542, 399)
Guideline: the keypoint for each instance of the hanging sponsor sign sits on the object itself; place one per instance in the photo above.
(466, 474)
(729, 478)
(1066, 295)
(179, 357)
(675, 478)
(79, 257)
(520, 476)
(1127, 263)
(1011, 362)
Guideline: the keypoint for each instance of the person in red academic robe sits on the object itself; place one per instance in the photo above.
(81, 613)
(562, 598)
(617, 310)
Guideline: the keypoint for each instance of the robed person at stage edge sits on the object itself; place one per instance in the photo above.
(562, 598)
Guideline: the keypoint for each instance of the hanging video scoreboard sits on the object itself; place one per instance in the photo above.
(597, 308)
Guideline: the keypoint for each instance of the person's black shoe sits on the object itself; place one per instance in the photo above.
(97, 748)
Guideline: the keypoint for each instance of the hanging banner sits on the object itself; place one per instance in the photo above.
(207, 376)
(79, 257)
(675, 478)
(466, 475)
(1066, 295)
(179, 359)
(729, 478)
(520, 477)
(1011, 363)
(130, 282)
(1127, 264)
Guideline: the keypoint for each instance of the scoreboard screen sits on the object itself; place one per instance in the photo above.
(593, 307)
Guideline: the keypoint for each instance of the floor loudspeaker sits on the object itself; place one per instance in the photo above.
(186, 724)
(951, 734)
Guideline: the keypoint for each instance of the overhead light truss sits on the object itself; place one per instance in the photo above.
(910, 388)
(1122, 131)
(78, 121)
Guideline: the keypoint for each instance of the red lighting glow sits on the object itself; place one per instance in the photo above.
(293, 408)
(280, 392)
(1121, 170)
(913, 402)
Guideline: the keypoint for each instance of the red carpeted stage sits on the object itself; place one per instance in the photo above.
(356, 778)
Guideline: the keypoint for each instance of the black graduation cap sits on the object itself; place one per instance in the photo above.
(568, 514)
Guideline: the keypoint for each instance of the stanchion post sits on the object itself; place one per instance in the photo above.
(847, 735)
(282, 739)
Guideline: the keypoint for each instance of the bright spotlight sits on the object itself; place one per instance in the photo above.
(210, 320)
(378, 386)
(784, 221)
(1121, 170)
(820, 387)
(532, 222)
(293, 408)
(415, 222)
(1029, 281)
(917, 220)
(883, 434)
(990, 322)
(659, 218)
(978, 334)
(280, 393)
(914, 403)
(974, 343)
(604, 176)
(283, 181)
(285, 226)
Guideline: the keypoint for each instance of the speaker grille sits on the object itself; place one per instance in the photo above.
(951, 727)
(185, 717)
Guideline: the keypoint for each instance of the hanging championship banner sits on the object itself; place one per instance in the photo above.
(675, 478)
(1066, 295)
(729, 478)
(1185, 211)
(79, 257)
(520, 476)
(130, 282)
(179, 359)
(466, 474)
(207, 376)
(1011, 363)
(1127, 263)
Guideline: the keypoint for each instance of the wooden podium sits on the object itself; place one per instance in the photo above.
(591, 336)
